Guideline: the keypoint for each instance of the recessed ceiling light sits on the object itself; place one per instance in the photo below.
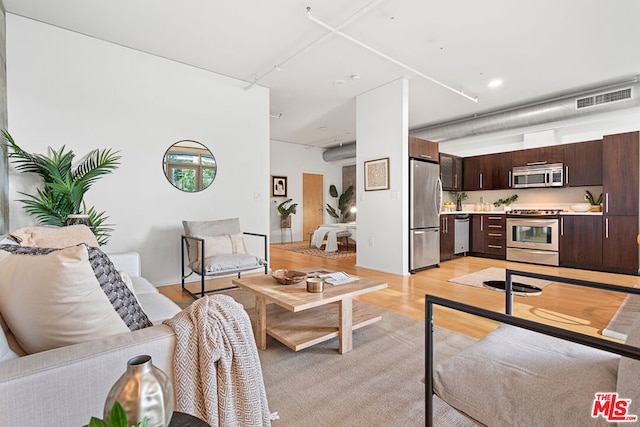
(338, 82)
(495, 83)
(322, 128)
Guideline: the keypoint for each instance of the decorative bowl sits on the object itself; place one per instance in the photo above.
(289, 277)
(580, 207)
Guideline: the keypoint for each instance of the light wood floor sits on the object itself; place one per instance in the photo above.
(570, 307)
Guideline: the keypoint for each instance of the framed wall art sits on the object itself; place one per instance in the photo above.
(278, 186)
(376, 174)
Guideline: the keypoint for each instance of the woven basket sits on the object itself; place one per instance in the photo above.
(289, 277)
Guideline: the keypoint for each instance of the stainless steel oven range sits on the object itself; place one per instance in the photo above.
(533, 236)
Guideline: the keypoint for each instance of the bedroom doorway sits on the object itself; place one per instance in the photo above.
(312, 202)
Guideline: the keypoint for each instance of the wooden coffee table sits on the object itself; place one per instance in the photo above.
(300, 319)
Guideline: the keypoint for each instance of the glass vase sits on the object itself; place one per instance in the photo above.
(143, 391)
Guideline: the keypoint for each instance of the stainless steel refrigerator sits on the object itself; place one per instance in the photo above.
(425, 203)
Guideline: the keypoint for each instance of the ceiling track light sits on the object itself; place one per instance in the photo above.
(278, 67)
(385, 56)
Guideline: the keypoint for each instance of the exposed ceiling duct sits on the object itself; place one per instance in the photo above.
(345, 151)
(592, 101)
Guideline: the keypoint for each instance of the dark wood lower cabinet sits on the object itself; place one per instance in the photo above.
(447, 237)
(581, 241)
(619, 245)
(604, 243)
(488, 236)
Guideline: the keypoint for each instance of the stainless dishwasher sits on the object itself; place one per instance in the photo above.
(461, 240)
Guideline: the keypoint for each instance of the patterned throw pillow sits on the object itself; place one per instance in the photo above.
(56, 297)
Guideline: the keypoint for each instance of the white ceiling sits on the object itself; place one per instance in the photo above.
(538, 48)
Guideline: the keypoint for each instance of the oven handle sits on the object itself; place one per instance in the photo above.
(534, 251)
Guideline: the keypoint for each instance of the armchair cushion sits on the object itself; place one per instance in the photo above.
(512, 375)
(56, 297)
(227, 262)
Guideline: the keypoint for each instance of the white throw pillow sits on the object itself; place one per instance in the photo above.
(215, 245)
(237, 241)
(54, 237)
(56, 297)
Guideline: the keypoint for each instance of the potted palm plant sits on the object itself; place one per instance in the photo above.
(343, 210)
(65, 184)
(286, 212)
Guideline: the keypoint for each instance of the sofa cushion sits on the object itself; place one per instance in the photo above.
(158, 307)
(517, 377)
(5, 350)
(629, 373)
(54, 237)
(56, 297)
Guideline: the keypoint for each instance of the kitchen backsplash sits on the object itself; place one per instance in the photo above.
(542, 198)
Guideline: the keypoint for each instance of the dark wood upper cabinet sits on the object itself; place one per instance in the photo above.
(423, 149)
(583, 163)
(620, 175)
(551, 154)
(500, 165)
(451, 172)
(487, 172)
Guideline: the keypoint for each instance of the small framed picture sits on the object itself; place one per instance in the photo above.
(376, 174)
(278, 186)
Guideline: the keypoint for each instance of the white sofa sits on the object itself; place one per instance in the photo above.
(68, 385)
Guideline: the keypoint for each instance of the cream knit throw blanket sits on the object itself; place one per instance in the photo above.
(217, 371)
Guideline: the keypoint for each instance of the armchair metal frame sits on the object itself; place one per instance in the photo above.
(576, 337)
(202, 274)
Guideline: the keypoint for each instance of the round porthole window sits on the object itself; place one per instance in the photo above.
(189, 166)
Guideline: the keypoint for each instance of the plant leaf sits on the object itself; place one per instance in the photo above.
(117, 416)
(333, 191)
(96, 422)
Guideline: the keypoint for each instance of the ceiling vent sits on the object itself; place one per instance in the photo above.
(589, 101)
(604, 98)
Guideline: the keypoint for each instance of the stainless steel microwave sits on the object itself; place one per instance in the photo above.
(542, 175)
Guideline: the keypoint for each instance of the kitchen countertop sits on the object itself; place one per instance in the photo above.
(503, 212)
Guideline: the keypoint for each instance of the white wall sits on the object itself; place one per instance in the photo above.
(292, 160)
(382, 131)
(68, 89)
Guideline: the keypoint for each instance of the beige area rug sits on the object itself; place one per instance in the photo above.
(493, 273)
(378, 383)
(343, 253)
(621, 322)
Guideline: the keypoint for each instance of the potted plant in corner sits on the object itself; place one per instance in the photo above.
(286, 212)
(343, 211)
(65, 184)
